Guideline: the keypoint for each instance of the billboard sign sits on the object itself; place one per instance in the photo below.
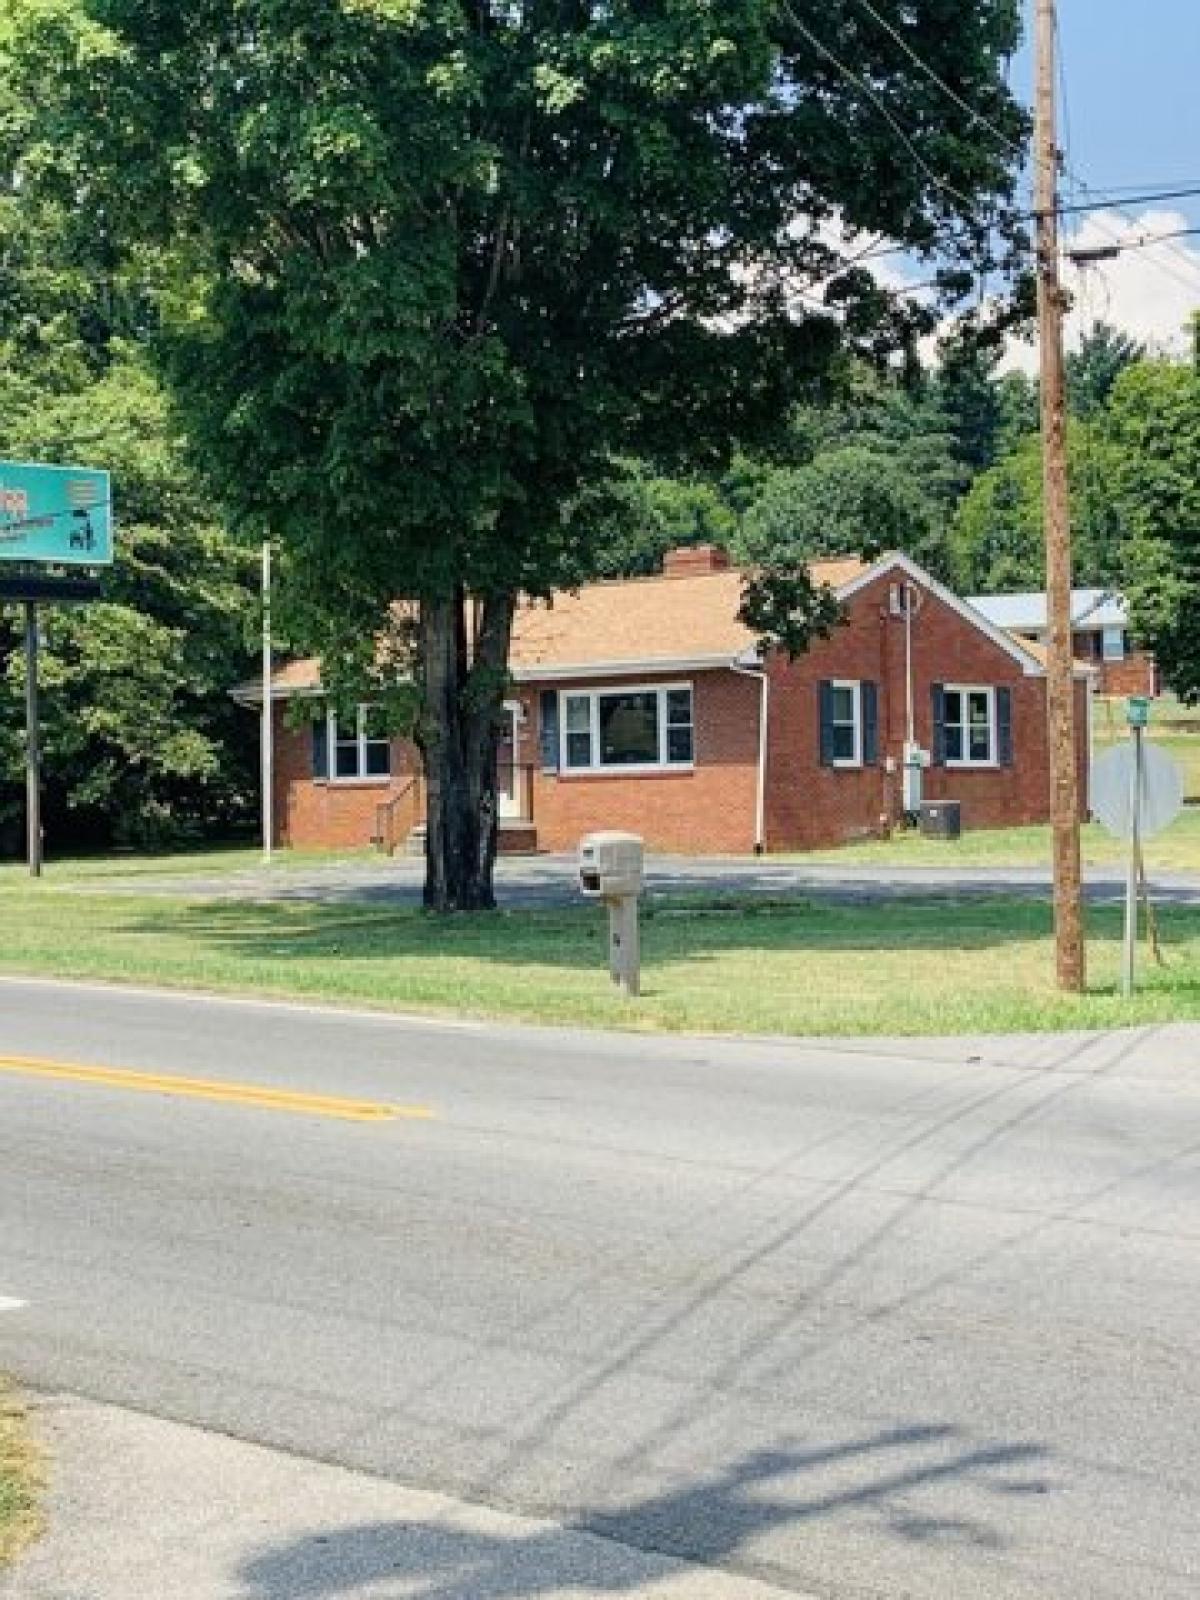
(55, 516)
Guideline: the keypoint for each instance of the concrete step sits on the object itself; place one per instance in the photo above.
(516, 839)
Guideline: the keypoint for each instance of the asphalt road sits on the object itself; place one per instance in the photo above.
(878, 1320)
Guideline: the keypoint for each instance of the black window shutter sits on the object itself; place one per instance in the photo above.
(1004, 738)
(825, 701)
(938, 753)
(548, 731)
(320, 747)
(870, 724)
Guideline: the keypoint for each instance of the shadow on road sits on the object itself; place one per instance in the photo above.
(927, 1485)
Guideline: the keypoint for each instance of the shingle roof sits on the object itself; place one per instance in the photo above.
(1041, 654)
(1090, 608)
(645, 621)
(292, 678)
(635, 622)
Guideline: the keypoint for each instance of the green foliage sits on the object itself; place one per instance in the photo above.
(786, 609)
(1092, 370)
(141, 739)
(845, 501)
(998, 540)
(437, 265)
(1154, 417)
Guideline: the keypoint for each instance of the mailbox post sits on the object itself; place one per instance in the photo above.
(612, 869)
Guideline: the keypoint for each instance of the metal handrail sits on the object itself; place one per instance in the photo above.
(386, 837)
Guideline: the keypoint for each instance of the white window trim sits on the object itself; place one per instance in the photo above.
(855, 687)
(993, 730)
(632, 769)
(362, 778)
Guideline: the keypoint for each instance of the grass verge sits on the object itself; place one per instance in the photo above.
(720, 965)
(1175, 850)
(19, 1479)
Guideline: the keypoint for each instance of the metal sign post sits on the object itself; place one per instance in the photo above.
(267, 734)
(1130, 954)
(1137, 790)
(33, 757)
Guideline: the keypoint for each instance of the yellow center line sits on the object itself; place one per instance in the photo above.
(241, 1094)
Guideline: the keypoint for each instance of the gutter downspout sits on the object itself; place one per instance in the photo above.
(764, 707)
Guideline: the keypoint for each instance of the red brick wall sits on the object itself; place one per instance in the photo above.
(709, 808)
(316, 814)
(712, 809)
(810, 805)
(1135, 675)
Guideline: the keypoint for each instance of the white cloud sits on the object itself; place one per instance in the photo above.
(1150, 292)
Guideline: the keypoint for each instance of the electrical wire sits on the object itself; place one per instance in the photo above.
(1094, 203)
(864, 88)
(972, 111)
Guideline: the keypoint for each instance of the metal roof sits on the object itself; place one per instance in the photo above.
(1090, 609)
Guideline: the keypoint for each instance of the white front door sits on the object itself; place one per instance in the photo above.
(508, 776)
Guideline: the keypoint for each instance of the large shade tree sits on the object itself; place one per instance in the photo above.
(434, 264)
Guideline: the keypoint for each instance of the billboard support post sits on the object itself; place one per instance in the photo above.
(54, 521)
(33, 757)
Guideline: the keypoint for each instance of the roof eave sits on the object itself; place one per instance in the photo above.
(643, 666)
(250, 694)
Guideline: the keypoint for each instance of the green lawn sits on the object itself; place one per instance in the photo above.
(193, 863)
(1173, 726)
(18, 1479)
(1176, 850)
(724, 965)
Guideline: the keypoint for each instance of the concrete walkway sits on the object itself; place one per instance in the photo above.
(142, 1509)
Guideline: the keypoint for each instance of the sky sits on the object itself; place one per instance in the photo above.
(1130, 120)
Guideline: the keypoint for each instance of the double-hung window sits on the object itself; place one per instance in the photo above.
(621, 729)
(359, 746)
(846, 724)
(970, 727)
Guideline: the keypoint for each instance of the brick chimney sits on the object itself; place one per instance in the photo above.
(691, 559)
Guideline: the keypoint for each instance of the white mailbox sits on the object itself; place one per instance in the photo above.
(612, 869)
(611, 865)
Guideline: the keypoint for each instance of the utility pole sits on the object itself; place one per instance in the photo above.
(267, 726)
(1060, 674)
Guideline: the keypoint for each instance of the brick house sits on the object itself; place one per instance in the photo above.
(644, 704)
(1100, 630)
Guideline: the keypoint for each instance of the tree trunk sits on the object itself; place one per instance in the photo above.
(464, 672)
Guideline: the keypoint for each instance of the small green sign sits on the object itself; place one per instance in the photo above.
(1137, 711)
(55, 516)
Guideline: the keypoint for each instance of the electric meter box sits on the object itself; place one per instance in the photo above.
(611, 865)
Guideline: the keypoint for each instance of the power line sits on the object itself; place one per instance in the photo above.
(1095, 202)
(1010, 145)
(972, 111)
(865, 88)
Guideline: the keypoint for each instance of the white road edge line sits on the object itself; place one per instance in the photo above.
(404, 1019)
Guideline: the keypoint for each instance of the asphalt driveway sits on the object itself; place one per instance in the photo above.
(550, 880)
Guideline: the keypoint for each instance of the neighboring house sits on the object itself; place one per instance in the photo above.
(1100, 632)
(644, 704)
